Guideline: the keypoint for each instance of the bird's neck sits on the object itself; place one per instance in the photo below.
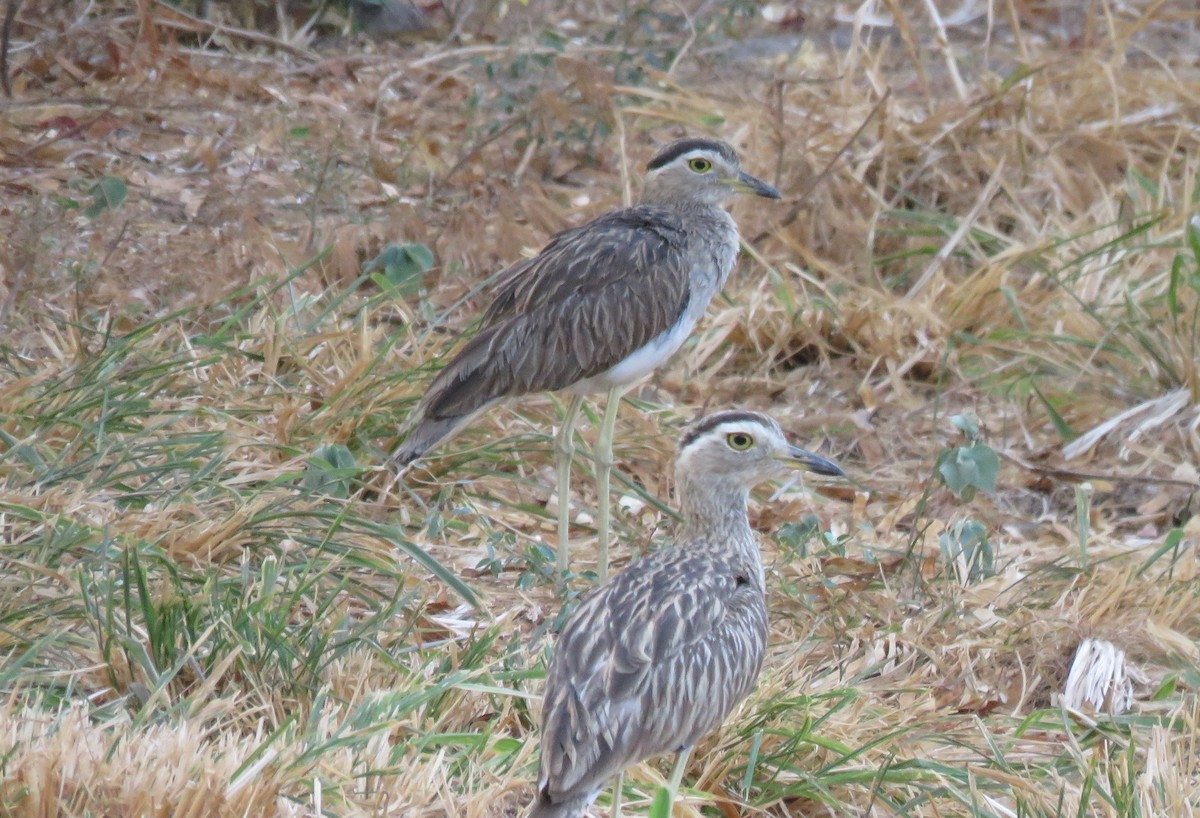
(670, 200)
(716, 512)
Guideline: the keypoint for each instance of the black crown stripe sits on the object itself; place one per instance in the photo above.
(692, 143)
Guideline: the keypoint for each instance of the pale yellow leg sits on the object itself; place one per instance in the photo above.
(681, 762)
(604, 461)
(564, 451)
(618, 793)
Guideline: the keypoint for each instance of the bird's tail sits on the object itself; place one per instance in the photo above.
(455, 399)
(543, 807)
(423, 436)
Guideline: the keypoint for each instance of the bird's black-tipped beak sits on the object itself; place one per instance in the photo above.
(807, 461)
(745, 183)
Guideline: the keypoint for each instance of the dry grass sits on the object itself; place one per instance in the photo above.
(198, 617)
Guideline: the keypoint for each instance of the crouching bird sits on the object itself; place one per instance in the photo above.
(659, 656)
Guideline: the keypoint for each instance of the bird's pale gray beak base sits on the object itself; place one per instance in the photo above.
(750, 184)
(807, 461)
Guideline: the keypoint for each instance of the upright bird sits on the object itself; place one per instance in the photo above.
(598, 309)
(659, 656)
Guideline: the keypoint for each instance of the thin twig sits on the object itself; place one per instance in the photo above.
(943, 42)
(687, 44)
(1072, 474)
(182, 21)
(10, 14)
(964, 226)
(626, 185)
(477, 147)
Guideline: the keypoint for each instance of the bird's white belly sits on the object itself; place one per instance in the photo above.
(641, 362)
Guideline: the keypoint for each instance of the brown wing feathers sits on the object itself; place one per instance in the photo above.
(574, 311)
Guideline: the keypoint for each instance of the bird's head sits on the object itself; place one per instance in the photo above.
(743, 449)
(695, 169)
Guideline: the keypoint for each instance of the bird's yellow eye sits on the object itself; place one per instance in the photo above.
(739, 441)
(700, 164)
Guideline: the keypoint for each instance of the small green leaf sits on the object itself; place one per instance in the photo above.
(331, 470)
(968, 425)
(783, 293)
(1192, 230)
(1016, 75)
(1170, 543)
(1083, 525)
(107, 194)
(1176, 278)
(968, 541)
(1014, 305)
(795, 536)
(1060, 424)
(1165, 690)
(965, 469)
(661, 808)
(1139, 179)
(507, 746)
(401, 267)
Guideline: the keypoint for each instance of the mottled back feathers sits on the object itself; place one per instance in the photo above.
(594, 295)
(649, 664)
